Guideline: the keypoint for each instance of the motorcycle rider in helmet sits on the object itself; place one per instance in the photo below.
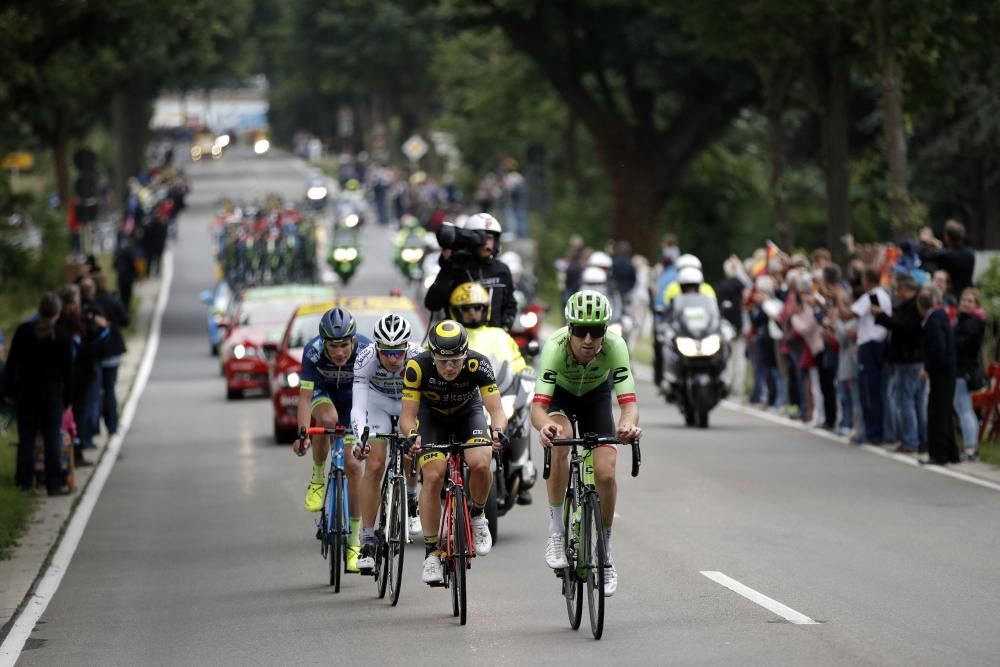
(484, 269)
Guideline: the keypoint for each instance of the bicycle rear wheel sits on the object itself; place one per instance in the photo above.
(459, 554)
(572, 583)
(381, 546)
(594, 551)
(336, 531)
(396, 547)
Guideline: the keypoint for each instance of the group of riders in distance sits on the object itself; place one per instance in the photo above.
(444, 403)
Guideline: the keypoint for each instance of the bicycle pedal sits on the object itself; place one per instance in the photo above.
(436, 584)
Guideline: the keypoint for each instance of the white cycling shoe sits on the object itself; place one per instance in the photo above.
(555, 553)
(610, 579)
(433, 570)
(481, 538)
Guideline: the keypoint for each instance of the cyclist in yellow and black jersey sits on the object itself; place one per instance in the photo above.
(444, 392)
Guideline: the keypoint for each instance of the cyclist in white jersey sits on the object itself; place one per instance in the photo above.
(377, 396)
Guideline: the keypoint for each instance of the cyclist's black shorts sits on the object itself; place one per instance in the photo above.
(592, 410)
(464, 426)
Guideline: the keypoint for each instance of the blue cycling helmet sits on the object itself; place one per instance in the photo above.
(337, 324)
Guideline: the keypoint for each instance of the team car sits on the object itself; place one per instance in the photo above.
(258, 315)
(286, 365)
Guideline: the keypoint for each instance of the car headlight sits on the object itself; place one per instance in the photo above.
(508, 404)
(239, 352)
(261, 146)
(687, 346)
(316, 192)
(529, 320)
(222, 140)
(412, 254)
(351, 220)
(711, 345)
(291, 380)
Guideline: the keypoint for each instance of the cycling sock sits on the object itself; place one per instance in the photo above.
(317, 477)
(607, 540)
(368, 535)
(477, 510)
(556, 526)
(354, 539)
(430, 545)
(411, 493)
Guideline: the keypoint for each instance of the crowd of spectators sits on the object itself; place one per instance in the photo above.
(885, 350)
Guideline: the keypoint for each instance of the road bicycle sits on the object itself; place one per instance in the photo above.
(455, 530)
(333, 526)
(392, 525)
(583, 537)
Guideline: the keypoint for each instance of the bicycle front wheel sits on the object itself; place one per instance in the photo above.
(336, 530)
(396, 546)
(381, 546)
(460, 554)
(572, 583)
(594, 550)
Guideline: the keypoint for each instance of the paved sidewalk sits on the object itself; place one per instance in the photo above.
(34, 548)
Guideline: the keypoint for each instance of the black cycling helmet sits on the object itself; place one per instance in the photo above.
(337, 324)
(448, 339)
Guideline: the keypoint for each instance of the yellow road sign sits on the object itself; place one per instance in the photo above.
(21, 160)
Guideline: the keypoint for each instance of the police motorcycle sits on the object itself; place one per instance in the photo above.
(409, 249)
(317, 193)
(516, 473)
(345, 242)
(695, 351)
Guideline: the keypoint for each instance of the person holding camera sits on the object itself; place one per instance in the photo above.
(469, 255)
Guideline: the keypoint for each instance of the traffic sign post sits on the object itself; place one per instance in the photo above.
(415, 148)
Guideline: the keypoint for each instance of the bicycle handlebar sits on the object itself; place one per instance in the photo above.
(591, 441)
(339, 429)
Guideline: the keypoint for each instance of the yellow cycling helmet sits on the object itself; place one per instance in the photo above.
(466, 296)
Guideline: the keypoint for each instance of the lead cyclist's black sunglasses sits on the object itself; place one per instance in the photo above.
(581, 330)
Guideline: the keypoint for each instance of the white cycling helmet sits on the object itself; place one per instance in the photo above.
(690, 276)
(484, 222)
(594, 275)
(599, 259)
(687, 261)
(392, 331)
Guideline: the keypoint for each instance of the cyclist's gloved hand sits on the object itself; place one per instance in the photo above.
(500, 437)
(361, 449)
(413, 442)
(301, 444)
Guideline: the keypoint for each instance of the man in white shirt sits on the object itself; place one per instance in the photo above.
(871, 353)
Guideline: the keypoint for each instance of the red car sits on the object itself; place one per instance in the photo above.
(304, 326)
(258, 315)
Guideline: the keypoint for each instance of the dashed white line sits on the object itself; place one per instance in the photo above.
(759, 598)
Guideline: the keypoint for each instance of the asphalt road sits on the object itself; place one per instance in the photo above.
(199, 550)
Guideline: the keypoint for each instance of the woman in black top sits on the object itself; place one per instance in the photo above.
(39, 380)
(968, 342)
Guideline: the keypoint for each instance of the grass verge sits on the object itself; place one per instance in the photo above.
(15, 505)
(989, 452)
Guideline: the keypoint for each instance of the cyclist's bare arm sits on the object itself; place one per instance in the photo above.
(301, 445)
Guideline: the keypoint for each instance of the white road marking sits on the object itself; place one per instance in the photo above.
(756, 597)
(33, 609)
(871, 449)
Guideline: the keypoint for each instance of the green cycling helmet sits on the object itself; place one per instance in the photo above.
(588, 307)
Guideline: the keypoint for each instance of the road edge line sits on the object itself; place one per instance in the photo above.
(33, 608)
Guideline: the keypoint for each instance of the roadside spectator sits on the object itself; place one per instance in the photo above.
(969, 342)
(954, 257)
(765, 310)
(125, 269)
(84, 360)
(940, 364)
(846, 333)
(38, 380)
(110, 351)
(871, 353)
(623, 275)
(515, 198)
(731, 294)
(905, 356)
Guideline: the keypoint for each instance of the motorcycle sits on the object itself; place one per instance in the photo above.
(345, 254)
(527, 326)
(695, 352)
(317, 193)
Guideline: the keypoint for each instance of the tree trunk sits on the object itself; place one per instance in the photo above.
(986, 233)
(834, 88)
(128, 110)
(639, 187)
(571, 160)
(775, 186)
(59, 151)
(900, 211)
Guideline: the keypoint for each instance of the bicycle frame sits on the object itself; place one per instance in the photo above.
(455, 481)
